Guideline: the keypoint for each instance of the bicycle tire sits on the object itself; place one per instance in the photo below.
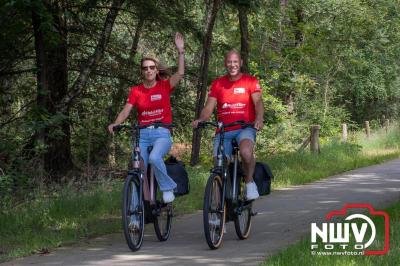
(162, 217)
(213, 212)
(132, 213)
(242, 218)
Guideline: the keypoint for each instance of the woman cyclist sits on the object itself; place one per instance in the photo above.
(152, 101)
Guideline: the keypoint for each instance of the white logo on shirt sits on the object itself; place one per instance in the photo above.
(153, 112)
(153, 119)
(233, 105)
(155, 97)
(238, 90)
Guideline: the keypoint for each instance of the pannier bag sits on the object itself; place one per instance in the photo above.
(262, 177)
(176, 170)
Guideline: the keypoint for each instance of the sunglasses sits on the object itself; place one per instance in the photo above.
(145, 68)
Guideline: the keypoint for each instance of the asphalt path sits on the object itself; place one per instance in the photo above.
(284, 217)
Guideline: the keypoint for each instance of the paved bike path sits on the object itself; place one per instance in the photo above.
(284, 217)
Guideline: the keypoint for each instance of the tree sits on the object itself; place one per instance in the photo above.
(243, 9)
(54, 98)
(52, 84)
(212, 7)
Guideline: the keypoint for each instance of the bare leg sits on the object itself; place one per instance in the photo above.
(246, 153)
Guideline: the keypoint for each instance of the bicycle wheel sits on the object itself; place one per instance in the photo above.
(132, 213)
(243, 212)
(213, 212)
(162, 217)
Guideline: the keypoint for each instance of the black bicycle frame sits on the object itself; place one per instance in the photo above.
(221, 164)
(137, 170)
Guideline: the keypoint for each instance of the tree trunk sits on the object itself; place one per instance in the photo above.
(298, 34)
(52, 85)
(53, 97)
(282, 22)
(244, 36)
(6, 98)
(212, 10)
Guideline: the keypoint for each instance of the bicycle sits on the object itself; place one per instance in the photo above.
(225, 195)
(141, 201)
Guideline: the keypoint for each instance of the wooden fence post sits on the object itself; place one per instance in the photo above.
(344, 132)
(367, 129)
(314, 139)
(386, 125)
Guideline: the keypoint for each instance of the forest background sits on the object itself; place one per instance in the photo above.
(66, 68)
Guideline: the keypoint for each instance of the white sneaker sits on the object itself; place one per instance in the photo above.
(168, 196)
(251, 191)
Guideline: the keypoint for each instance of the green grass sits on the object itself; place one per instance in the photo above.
(59, 218)
(194, 200)
(300, 253)
(335, 157)
(66, 217)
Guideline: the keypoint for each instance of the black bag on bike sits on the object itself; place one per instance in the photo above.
(176, 170)
(262, 177)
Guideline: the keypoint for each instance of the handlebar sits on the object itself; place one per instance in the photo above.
(138, 127)
(221, 125)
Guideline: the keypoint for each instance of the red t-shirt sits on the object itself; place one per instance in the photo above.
(154, 104)
(234, 100)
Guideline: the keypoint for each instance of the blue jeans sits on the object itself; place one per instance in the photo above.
(160, 139)
(239, 135)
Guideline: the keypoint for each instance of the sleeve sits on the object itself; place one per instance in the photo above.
(213, 90)
(255, 87)
(132, 97)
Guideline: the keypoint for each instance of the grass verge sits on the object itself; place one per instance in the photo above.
(335, 157)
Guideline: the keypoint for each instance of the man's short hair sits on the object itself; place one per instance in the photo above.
(233, 51)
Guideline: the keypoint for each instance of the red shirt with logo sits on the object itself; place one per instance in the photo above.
(154, 104)
(234, 100)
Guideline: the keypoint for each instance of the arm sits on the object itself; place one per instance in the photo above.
(206, 112)
(122, 116)
(259, 109)
(175, 78)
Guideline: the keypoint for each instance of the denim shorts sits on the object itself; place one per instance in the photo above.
(239, 135)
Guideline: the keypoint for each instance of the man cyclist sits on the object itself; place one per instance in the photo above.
(238, 97)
